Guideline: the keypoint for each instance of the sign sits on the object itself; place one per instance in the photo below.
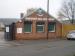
(7, 29)
(19, 30)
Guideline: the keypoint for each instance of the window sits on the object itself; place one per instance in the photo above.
(40, 27)
(51, 27)
(28, 27)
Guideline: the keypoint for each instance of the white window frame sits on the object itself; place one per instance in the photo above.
(31, 29)
(40, 25)
(53, 30)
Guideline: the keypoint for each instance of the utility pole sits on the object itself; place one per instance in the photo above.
(47, 16)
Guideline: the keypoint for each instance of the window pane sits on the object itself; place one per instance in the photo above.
(39, 28)
(51, 27)
(27, 27)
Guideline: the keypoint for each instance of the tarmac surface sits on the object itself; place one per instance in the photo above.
(36, 47)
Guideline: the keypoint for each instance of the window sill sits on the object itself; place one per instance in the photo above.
(52, 31)
(28, 32)
(40, 31)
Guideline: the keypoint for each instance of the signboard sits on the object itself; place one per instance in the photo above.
(7, 29)
(19, 30)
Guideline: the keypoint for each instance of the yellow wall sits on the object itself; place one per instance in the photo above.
(66, 28)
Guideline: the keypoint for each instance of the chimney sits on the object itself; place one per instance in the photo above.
(21, 15)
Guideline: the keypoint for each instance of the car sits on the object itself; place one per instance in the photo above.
(71, 35)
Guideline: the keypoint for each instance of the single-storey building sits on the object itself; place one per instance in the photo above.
(37, 24)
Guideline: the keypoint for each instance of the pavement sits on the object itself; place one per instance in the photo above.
(37, 48)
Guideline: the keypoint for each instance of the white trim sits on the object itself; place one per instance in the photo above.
(40, 14)
(43, 28)
(40, 25)
(52, 31)
(45, 19)
(31, 30)
(27, 32)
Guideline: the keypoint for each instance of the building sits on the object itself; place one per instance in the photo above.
(2, 26)
(38, 25)
(6, 21)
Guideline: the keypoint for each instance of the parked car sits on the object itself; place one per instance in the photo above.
(71, 35)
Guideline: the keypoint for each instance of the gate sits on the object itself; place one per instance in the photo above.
(10, 32)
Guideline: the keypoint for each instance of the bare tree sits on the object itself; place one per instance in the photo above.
(68, 10)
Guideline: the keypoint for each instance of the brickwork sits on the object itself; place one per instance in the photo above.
(37, 35)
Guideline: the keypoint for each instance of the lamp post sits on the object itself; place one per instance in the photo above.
(47, 16)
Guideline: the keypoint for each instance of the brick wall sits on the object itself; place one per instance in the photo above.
(36, 35)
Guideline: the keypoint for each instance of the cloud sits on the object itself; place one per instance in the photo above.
(12, 8)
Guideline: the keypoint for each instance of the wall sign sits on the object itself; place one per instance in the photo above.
(19, 30)
(7, 29)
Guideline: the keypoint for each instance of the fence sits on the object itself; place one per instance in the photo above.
(66, 28)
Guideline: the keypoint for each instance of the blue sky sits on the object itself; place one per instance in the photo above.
(13, 8)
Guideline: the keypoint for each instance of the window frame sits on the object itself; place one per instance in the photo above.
(54, 27)
(31, 28)
(40, 25)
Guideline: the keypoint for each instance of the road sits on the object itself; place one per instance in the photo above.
(38, 48)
